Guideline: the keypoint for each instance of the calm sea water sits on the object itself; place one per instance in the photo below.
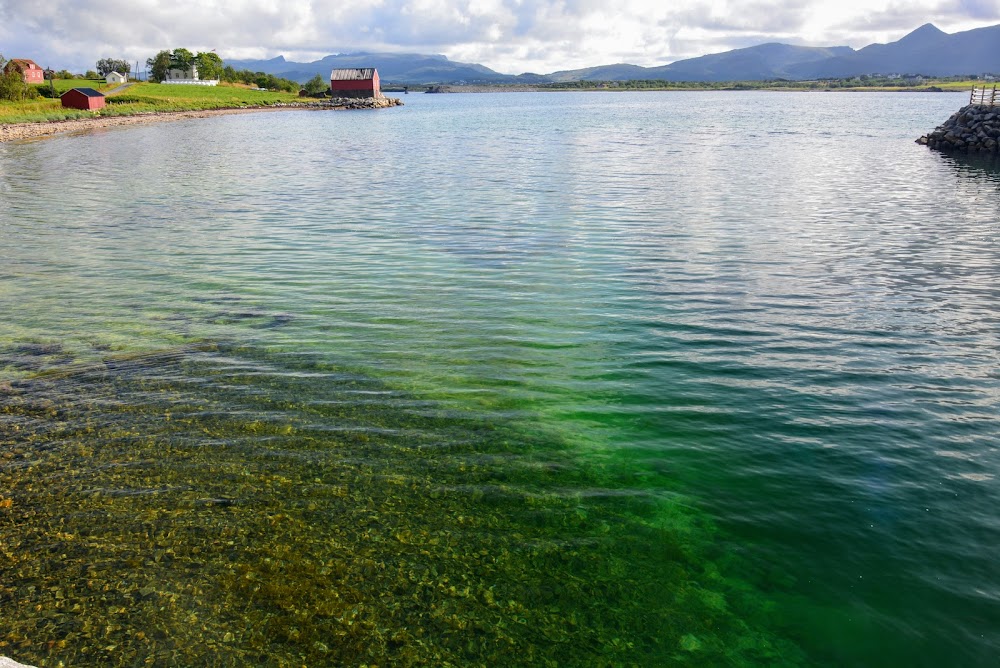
(566, 379)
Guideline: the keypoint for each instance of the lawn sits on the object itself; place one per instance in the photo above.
(63, 85)
(141, 97)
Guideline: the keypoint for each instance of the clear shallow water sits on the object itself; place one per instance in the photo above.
(652, 378)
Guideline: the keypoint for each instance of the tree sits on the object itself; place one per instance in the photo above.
(316, 85)
(106, 66)
(91, 74)
(209, 65)
(159, 65)
(181, 59)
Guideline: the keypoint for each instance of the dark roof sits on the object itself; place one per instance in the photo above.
(89, 92)
(353, 74)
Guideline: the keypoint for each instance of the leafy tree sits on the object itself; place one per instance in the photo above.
(106, 66)
(159, 65)
(91, 74)
(229, 74)
(181, 59)
(316, 85)
(209, 65)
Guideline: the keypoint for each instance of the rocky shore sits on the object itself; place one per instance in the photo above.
(974, 128)
(16, 131)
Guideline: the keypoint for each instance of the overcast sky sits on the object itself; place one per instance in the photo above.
(510, 36)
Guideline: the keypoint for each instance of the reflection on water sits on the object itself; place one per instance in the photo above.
(656, 379)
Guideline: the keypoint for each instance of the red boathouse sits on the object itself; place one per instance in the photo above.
(32, 73)
(83, 98)
(355, 82)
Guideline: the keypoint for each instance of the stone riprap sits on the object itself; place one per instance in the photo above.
(974, 128)
(360, 102)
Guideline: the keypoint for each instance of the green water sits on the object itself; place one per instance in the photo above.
(502, 380)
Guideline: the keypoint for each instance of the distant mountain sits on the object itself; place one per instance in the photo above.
(765, 61)
(403, 68)
(926, 50)
(619, 72)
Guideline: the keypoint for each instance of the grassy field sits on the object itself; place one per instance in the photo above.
(141, 98)
(63, 85)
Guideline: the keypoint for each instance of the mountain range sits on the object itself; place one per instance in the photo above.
(927, 51)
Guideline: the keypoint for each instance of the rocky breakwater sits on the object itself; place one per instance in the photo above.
(362, 102)
(974, 128)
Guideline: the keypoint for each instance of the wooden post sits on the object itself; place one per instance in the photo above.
(972, 95)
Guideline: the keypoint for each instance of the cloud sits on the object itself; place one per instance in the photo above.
(508, 35)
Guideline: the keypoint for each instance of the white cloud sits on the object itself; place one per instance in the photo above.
(508, 35)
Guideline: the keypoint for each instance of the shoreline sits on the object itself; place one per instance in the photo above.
(22, 131)
(529, 88)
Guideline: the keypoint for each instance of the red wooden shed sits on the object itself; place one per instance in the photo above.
(32, 73)
(355, 82)
(83, 98)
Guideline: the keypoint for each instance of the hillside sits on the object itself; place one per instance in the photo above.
(405, 68)
(927, 50)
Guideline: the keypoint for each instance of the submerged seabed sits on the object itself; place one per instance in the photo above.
(216, 505)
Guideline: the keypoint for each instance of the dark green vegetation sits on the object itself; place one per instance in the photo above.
(215, 506)
(864, 82)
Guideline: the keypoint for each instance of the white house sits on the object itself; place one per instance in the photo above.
(189, 76)
(116, 78)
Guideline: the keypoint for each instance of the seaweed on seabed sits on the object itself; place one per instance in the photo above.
(190, 512)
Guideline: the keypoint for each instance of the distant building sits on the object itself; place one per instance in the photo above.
(32, 73)
(83, 98)
(116, 78)
(188, 76)
(355, 82)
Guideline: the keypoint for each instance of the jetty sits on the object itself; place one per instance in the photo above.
(975, 128)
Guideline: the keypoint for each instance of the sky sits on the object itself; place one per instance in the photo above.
(510, 36)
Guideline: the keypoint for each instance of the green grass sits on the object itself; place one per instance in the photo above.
(63, 85)
(141, 98)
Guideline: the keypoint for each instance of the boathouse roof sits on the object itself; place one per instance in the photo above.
(89, 92)
(353, 74)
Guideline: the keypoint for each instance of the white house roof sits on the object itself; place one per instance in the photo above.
(353, 74)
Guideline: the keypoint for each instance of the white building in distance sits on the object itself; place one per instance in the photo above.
(189, 76)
